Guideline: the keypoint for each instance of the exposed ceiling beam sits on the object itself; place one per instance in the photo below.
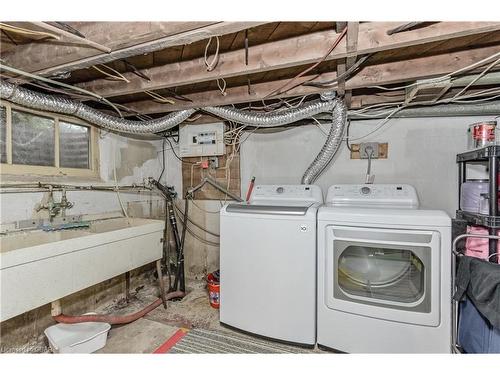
(372, 37)
(381, 74)
(125, 39)
(71, 36)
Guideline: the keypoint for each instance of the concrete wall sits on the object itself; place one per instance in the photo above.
(421, 153)
(135, 160)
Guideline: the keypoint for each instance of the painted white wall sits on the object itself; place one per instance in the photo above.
(21, 206)
(422, 153)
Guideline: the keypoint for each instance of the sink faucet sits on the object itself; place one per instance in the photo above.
(54, 207)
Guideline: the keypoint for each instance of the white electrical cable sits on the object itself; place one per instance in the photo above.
(40, 78)
(116, 182)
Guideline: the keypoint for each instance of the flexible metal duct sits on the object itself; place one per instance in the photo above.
(59, 104)
(266, 120)
(67, 106)
(332, 144)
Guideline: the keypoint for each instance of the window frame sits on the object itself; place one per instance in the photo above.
(22, 169)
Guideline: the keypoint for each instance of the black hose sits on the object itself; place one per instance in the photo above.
(180, 260)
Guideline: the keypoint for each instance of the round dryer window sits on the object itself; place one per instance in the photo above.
(381, 273)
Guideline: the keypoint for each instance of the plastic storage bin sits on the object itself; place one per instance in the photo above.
(77, 338)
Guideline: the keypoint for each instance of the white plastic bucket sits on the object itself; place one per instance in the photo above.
(85, 337)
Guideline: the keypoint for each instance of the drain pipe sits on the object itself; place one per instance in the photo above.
(59, 317)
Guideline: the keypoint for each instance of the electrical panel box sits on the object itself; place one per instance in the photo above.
(202, 140)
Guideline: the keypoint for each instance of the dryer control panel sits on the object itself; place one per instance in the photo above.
(302, 193)
(379, 195)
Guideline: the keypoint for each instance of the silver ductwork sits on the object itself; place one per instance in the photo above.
(59, 104)
(332, 144)
(267, 120)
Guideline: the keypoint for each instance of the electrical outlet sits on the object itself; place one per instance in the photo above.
(214, 162)
(381, 150)
(365, 149)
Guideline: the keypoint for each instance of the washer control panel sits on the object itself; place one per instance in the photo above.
(386, 195)
(305, 193)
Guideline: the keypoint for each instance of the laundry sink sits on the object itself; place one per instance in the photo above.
(38, 267)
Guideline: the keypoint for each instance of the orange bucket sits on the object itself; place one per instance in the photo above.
(213, 291)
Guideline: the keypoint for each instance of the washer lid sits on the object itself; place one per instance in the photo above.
(267, 209)
(388, 216)
(288, 194)
(372, 195)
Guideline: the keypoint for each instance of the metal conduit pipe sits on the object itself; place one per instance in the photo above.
(331, 146)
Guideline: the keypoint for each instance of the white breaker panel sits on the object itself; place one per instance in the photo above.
(202, 140)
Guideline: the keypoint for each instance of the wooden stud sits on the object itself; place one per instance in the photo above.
(286, 53)
(381, 74)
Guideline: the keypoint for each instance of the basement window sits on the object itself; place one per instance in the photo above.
(39, 143)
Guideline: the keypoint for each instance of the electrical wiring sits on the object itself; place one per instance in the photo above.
(48, 80)
(347, 73)
(159, 98)
(163, 160)
(378, 126)
(222, 87)
(116, 76)
(320, 126)
(211, 65)
(175, 154)
(181, 214)
(476, 100)
(281, 90)
(27, 32)
(202, 240)
(441, 78)
(203, 209)
(477, 78)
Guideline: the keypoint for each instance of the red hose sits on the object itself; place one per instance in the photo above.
(114, 319)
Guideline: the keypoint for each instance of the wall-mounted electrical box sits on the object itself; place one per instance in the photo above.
(202, 140)
(378, 150)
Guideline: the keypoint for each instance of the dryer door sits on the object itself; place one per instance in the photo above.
(389, 274)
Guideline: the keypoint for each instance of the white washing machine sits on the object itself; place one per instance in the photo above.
(384, 272)
(268, 263)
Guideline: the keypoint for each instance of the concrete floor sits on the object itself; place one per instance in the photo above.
(148, 333)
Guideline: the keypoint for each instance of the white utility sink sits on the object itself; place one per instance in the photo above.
(39, 267)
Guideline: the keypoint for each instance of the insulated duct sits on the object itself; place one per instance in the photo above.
(267, 120)
(59, 104)
(332, 144)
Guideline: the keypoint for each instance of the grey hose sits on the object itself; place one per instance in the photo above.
(331, 146)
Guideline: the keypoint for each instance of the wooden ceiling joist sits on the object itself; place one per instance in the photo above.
(381, 74)
(125, 39)
(305, 49)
